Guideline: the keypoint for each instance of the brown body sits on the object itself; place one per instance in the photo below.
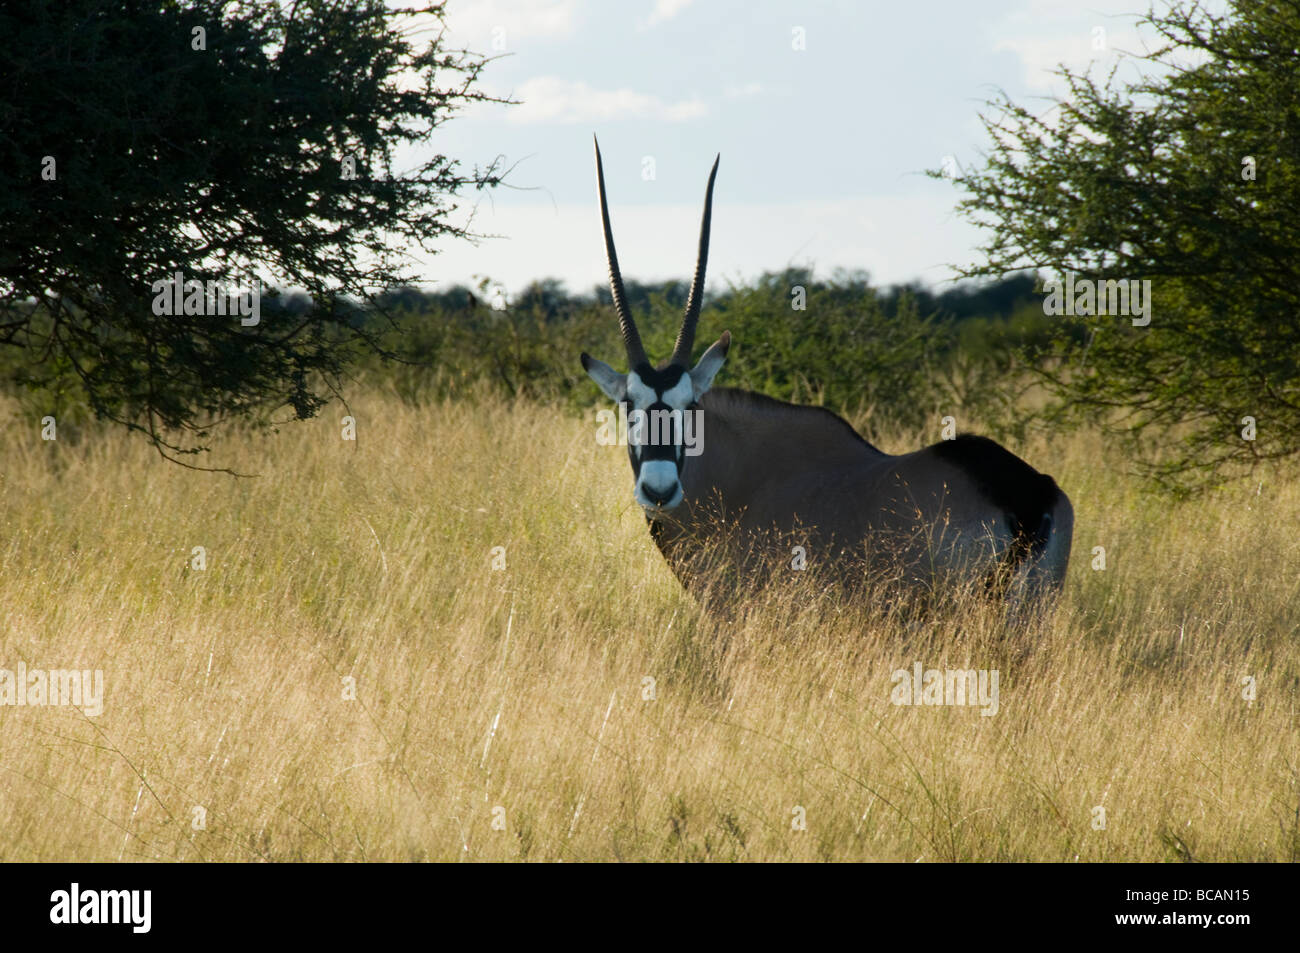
(773, 476)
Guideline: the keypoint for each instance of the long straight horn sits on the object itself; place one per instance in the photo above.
(686, 336)
(631, 339)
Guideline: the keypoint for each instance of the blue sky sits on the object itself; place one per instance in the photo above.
(822, 148)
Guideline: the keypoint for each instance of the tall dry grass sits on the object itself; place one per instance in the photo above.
(577, 705)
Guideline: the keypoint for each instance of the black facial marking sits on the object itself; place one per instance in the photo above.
(660, 380)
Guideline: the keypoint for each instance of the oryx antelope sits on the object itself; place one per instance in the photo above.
(772, 476)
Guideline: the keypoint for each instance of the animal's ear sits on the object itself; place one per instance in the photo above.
(710, 363)
(607, 379)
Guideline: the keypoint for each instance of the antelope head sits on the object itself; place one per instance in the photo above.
(656, 392)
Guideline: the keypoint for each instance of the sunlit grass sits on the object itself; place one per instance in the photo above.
(578, 698)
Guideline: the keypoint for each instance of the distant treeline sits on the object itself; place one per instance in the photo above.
(903, 353)
(905, 350)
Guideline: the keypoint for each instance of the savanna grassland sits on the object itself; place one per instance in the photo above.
(350, 678)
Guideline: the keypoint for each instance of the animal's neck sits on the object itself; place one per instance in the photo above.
(751, 442)
(753, 450)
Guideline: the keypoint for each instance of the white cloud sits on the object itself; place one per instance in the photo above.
(499, 26)
(1045, 34)
(551, 99)
(663, 11)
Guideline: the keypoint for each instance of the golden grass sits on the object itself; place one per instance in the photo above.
(521, 695)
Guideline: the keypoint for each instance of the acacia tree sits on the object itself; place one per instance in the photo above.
(218, 140)
(1190, 178)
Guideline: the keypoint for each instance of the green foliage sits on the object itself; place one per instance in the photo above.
(455, 343)
(843, 349)
(210, 140)
(1190, 179)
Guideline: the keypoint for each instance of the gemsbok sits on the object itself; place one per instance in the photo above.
(736, 485)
